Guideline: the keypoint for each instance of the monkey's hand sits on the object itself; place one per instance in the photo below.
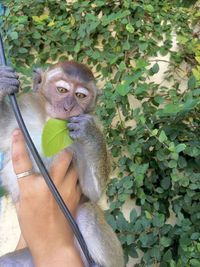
(9, 82)
(83, 129)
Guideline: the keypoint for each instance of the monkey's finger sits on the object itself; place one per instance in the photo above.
(8, 89)
(9, 74)
(9, 81)
(73, 126)
(60, 165)
(75, 134)
(20, 157)
(75, 119)
(6, 68)
(80, 118)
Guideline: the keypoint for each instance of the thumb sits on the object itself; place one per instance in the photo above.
(20, 157)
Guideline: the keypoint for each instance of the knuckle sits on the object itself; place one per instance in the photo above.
(72, 135)
(18, 157)
(71, 126)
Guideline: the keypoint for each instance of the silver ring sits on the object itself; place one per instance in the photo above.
(24, 174)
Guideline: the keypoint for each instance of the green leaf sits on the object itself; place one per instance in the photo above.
(167, 256)
(154, 132)
(133, 216)
(191, 82)
(139, 180)
(190, 104)
(123, 88)
(132, 251)
(23, 50)
(162, 137)
(14, 35)
(172, 164)
(130, 28)
(122, 66)
(148, 215)
(154, 69)
(155, 252)
(195, 262)
(130, 239)
(143, 239)
(128, 183)
(159, 99)
(158, 220)
(114, 16)
(195, 236)
(149, 8)
(77, 47)
(165, 183)
(111, 220)
(172, 108)
(143, 46)
(141, 63)
(55, 137)
(180, 148)
(126, 45)
(36, 35)
(123, 197)
(165, 241)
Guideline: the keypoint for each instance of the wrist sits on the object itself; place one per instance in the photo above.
(59, 256)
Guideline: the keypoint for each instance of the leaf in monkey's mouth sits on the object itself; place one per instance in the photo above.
(55, 137)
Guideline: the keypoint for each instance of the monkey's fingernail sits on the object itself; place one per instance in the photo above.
(16, 132)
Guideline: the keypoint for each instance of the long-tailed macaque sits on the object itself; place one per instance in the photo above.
(65, 91)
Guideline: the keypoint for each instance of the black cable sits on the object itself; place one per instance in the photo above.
(44, 171)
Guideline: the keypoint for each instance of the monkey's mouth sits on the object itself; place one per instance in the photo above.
(61, 113)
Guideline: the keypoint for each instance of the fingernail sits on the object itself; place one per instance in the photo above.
(16, 132)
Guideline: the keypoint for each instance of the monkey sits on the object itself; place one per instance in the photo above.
(67, 90)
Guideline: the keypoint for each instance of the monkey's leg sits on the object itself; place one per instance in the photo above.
(101, 240)
(19, 258)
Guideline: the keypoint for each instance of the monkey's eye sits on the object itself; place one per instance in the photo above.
(80, 95)
(81, 92)
(62, 90)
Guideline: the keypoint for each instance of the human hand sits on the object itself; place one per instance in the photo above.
(44, 227)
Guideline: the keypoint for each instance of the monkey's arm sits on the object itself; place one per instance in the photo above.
(92, 155)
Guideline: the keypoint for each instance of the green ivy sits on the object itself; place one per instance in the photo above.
(156, 161)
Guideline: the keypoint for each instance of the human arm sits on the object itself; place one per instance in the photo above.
(44, 227)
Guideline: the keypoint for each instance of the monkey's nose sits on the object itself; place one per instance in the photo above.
(68, 108)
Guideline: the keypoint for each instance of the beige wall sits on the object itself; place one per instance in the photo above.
(9, 228)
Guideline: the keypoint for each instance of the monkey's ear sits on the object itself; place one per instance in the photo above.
(99, 93)
(37, 78)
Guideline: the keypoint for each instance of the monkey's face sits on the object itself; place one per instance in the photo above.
(66, 96)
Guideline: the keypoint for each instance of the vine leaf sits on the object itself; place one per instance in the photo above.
(55, 137)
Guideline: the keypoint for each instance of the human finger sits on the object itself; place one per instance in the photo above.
(71, 178)
(20, 157)
(78, 190)
(60, 165)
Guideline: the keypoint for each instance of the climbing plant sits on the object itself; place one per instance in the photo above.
(152, 128)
